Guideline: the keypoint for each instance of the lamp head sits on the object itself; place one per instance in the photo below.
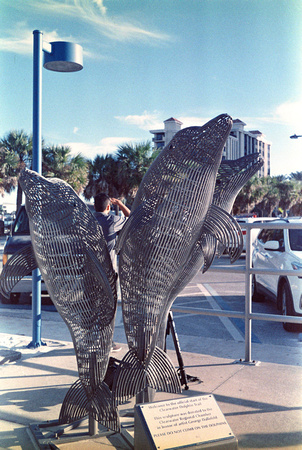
(64, 57)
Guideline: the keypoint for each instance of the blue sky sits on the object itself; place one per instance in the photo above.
(148, 60)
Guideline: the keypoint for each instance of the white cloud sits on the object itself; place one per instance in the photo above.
(106, 146)
(146, 121)
(113, 27)
(288, 113)
(18, 39)
(155, 120)
(100, 5)
(193, 121)
(285, 114)
(75, 130)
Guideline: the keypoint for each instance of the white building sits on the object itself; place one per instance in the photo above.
(239, 143)
(163, 137)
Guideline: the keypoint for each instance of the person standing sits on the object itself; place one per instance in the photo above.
(110, 223)
(111, 226)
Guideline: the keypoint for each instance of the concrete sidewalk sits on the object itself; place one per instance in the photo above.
(261, 403)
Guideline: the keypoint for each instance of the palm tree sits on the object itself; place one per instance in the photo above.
(267, 193)
(16, 153)
(133, 162)
(8, 165)
(102, 176)
(17, 147)
(251, 193)
(296, 176)
(270, 196)
(57, 162)
(119, 175)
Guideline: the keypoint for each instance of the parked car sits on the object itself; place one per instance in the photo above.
(242, 220)
(8, 221)
(19, 238)
(1, 227)
(280, 249)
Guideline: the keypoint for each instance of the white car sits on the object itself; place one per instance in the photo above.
(242, 220)
(280, 249)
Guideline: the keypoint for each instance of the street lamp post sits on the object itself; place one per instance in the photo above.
(59, 57)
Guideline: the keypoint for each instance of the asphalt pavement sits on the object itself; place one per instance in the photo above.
(260, 401)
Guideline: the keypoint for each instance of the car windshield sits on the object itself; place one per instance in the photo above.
(295, 240)
(21, 225)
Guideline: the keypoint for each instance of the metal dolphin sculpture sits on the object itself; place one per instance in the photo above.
(231, 177)
(69, 248)
(170, 208)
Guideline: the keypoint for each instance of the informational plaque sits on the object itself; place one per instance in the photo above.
(180, 423)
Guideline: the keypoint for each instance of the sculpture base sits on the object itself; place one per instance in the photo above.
(52, 434)
(185, 422)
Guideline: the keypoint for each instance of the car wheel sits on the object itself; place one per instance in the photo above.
(12, 300)
(4, 300)
(287, 308)
(15, 297)
(256, 296)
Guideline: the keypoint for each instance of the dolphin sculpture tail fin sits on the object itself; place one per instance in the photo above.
(133, 377)
(77, 405)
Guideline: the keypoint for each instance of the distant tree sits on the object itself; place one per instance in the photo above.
(251, 193)
(17, 147)
(267, 193)
(296, 176)
(134, 161)
(57, 162)
(120, 174)
(288, 194)
(8, 164)
(102, 176)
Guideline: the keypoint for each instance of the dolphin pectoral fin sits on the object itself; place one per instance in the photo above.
(225, 229)
(209, 246)
(77, 405)
(18, 266)
(132, 377)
